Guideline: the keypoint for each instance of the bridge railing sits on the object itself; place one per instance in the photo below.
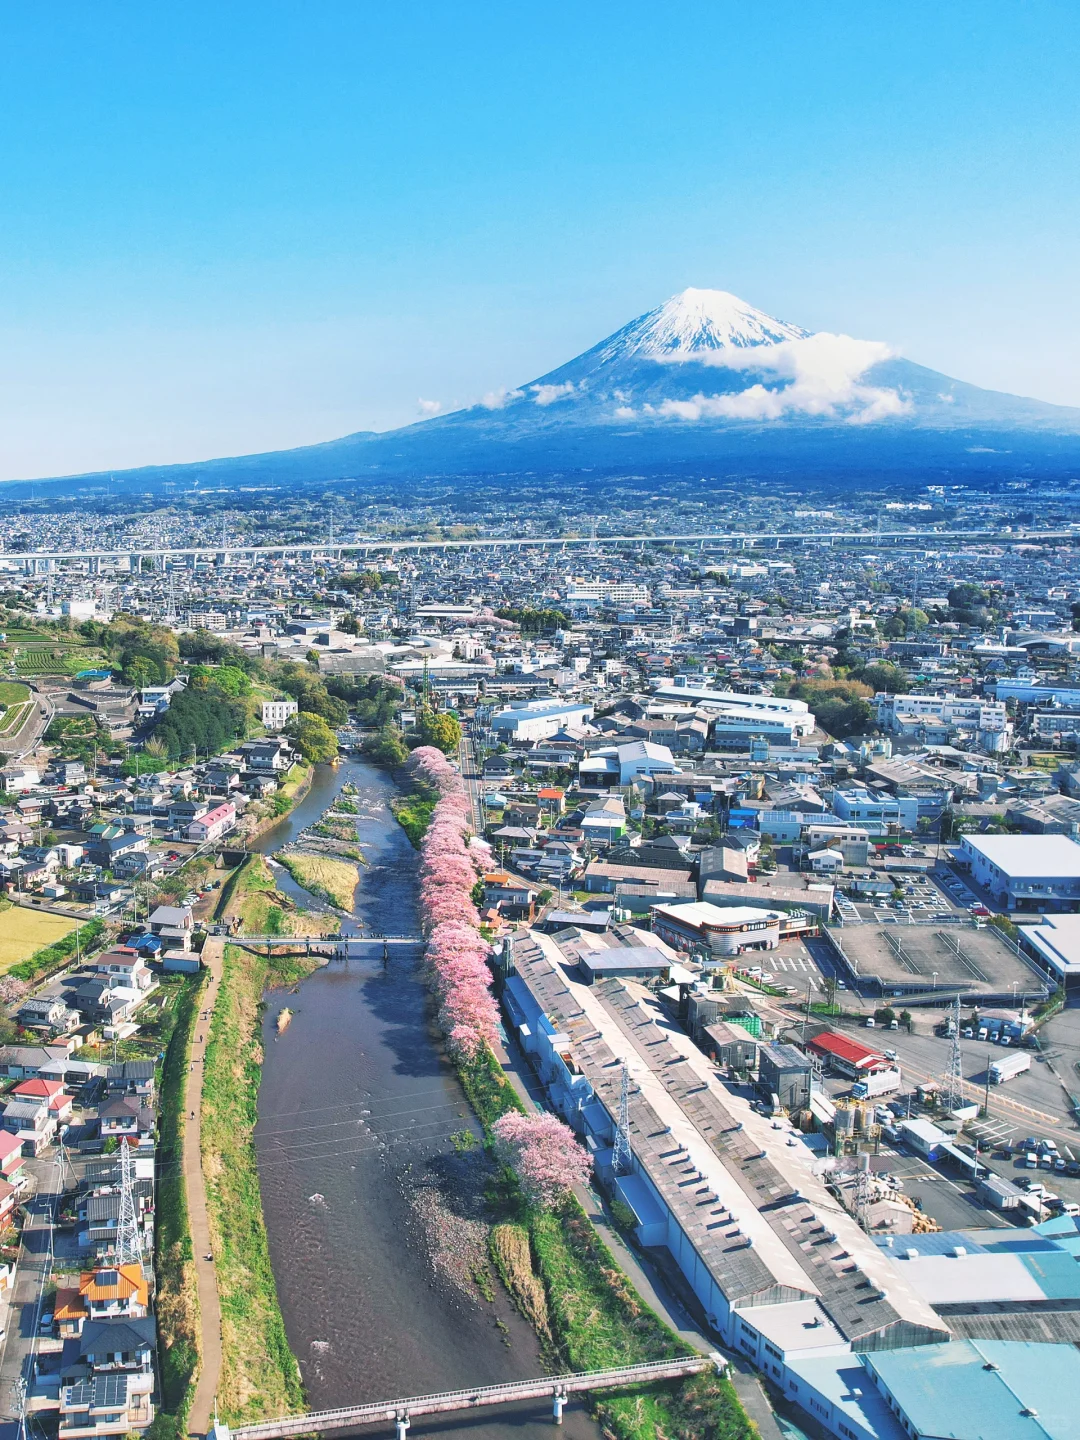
(391, 1411)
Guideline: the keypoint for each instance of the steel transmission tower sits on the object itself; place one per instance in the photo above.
(620, 1158)
(952, 1082)
(128, 1239)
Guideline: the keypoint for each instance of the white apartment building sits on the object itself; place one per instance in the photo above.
(276, 713)
(607, 592)
(793, 715)
(936, 718)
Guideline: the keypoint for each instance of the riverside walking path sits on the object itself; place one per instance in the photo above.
(202, 1406)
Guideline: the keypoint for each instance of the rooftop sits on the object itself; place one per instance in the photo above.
(1028, 856)
(984, 1389)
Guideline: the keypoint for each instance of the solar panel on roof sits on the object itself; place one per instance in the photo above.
(110, 1391)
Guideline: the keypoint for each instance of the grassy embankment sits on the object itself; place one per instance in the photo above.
(259, 1374)
(333, 880)
(174, 1261)
(251, 904)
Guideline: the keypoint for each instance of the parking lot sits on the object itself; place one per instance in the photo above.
(937, 894)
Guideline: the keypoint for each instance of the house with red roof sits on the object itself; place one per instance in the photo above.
(60, 1103)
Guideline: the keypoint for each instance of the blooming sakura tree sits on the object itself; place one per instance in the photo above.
(456, 954)
(542, 1153)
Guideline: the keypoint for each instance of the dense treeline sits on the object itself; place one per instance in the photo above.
(532, 620)
(201, 722)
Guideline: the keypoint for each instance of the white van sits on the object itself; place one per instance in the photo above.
(870, 1022)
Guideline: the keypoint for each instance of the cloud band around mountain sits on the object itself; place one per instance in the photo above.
(822, 374)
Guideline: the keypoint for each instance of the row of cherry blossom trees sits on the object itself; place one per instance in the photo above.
(456, 952)
(540, 1149)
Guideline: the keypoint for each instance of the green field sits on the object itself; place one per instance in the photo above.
(12, 693)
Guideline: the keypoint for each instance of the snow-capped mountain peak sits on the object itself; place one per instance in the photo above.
(697, 321)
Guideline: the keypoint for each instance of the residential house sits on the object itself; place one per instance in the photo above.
(107, 1390)
(124, 1119)
(52, 1092)
(213, 825)
(12, 1159)
(46, 1012)
(184, 811)
(107, 852)
(134, 1079)
(174, 924)
(512, 899)
(32, 1122)
(125, 962)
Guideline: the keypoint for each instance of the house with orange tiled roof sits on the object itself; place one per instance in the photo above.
(70, 1312)
(115, 1290)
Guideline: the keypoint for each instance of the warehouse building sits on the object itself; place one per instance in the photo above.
(738, 1205)
(1024, 872)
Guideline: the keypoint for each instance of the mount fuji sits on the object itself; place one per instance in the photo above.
(703, 380)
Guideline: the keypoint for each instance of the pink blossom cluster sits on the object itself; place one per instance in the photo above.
(456, 953)
(543, 1153)
(12, 989)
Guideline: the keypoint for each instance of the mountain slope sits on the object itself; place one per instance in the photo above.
(704, 379)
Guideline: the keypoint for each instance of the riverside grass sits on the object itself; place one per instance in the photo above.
(259, 1374)
(414, 815)
(332, 880)
(177, 1296)
(252, 900)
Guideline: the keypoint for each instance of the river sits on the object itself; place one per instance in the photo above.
(356, 1109)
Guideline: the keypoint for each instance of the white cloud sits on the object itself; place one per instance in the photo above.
(429, 407)
(548, 394)
(625, 412)
(823, 372)
(497, 399)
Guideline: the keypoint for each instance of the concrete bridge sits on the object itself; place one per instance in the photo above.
(38, 562)
(334, 947)
(557, 1388)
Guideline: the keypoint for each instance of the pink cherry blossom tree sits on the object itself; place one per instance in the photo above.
(542, 1153)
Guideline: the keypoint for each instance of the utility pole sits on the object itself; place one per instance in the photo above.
(953, 1079)
(620, 1159)
(128, 1239)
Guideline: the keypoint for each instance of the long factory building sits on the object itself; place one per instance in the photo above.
(737, 1204)
(855, 1334)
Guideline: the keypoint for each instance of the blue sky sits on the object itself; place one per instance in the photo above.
(228, 228)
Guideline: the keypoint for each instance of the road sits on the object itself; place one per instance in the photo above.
(35, 1265)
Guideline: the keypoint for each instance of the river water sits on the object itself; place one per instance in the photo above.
(372, 1211)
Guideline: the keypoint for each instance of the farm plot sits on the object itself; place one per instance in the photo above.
(23, 932)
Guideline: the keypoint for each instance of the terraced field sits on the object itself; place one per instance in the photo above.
(53, 661)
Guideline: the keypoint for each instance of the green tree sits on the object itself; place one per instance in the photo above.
(387, 747)
(312, 736)
(885, 676)
(442, 730)
(229, 679)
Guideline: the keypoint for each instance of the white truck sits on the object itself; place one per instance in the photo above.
(1009, 1066)
(878, 1082)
